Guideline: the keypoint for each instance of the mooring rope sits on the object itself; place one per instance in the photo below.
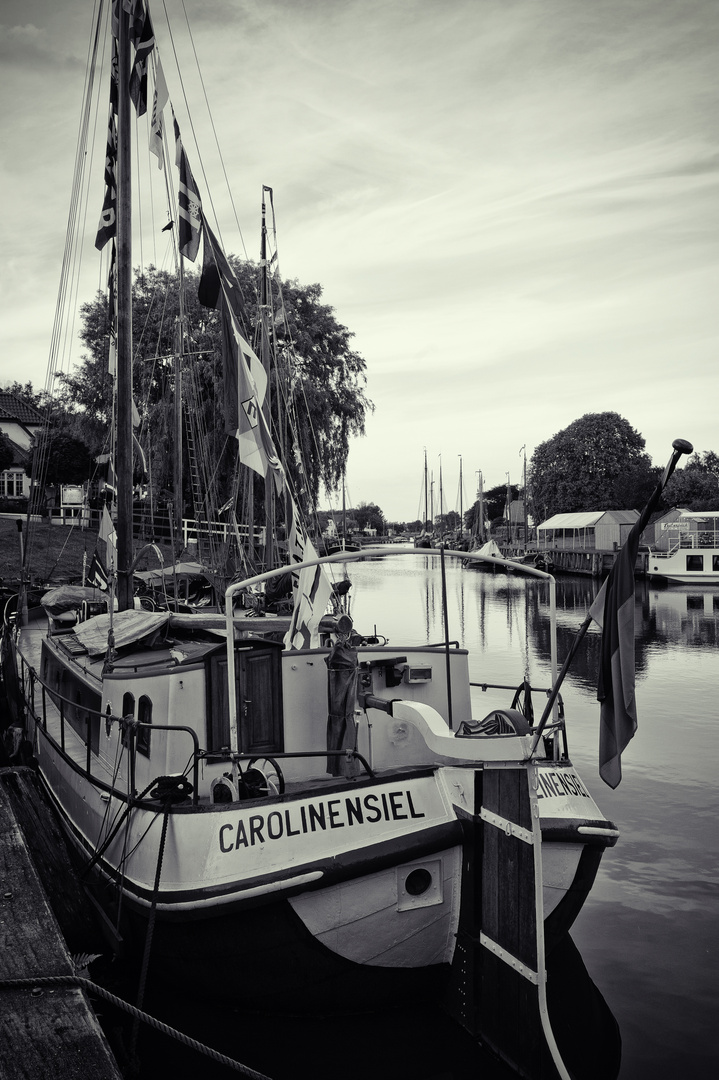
(158, 1025)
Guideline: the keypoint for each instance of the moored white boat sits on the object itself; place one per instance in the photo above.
(323, 854)
(689, 550)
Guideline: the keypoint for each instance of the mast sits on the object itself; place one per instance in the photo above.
(461, 520)
(480, 496)
(269, 553)
(425, 489)
(524, 496)
(124, 320)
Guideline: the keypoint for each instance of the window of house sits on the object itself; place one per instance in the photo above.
(11, 483)
(144, 716)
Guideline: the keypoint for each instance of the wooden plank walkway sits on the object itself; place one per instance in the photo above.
(45, 1033)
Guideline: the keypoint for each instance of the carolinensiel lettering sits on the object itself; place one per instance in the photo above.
(339, 813)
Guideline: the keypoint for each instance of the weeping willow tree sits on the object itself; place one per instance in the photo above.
(317, 385)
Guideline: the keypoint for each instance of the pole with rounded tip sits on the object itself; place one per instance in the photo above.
(679, 447)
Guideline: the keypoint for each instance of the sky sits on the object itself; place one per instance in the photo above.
(512, 204)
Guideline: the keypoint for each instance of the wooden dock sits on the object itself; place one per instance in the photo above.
(45, 1032)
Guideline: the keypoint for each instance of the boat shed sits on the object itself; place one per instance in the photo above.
(683, 528)
(590, 530)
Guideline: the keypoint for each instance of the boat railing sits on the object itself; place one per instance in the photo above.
(67, 709)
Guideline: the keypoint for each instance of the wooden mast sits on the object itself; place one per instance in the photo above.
(124, 321)
(270, 560)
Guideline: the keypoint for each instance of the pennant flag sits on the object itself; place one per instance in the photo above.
(160, 99)
(112, 312)
(138, 77)
(613, 611)
(219, 288)
(218, 276)
(107, 227)
(190, 204)
(108, 534)
(97, 574)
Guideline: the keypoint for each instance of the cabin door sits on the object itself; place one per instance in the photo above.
(258, 689)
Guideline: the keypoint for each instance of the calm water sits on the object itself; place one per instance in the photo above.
(649, 932)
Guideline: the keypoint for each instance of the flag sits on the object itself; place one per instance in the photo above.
(112, 313)
(190, 204)
(613, 612)
(218, 276)
(108, 534)
(311, 588)
(138, 77)
(97, 574)
(160, 99)
(107, 227)
(245, 379)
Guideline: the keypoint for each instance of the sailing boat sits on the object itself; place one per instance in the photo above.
(293, 814)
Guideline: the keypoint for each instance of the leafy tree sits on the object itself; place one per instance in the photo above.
(696, 486)
(369, 516)
(68, 460)
(319, 380)
(6, 452)
(495, 501)
(586, 466)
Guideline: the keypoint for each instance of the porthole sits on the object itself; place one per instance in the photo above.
(418, 881)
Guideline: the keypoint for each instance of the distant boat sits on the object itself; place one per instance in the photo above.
(690, 551)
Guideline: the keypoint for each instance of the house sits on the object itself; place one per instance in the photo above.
(20, 422)
(683, 528)
(594, 530)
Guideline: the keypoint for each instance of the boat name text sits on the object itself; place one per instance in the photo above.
(553, 784)
(318, 817)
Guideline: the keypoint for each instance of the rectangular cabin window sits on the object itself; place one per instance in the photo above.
(715, 563)
(695, 562)
(144, 716)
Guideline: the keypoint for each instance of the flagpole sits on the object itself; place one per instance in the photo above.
(124, 330)
(680, 446)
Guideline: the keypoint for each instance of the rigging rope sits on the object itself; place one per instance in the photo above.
(94, 988)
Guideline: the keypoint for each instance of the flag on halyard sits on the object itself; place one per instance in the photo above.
(311, 588)
(159, 101)
(97, 574)
(190, 204)
(108, 534)
(613, 611)
(138, 76)
(107, 227)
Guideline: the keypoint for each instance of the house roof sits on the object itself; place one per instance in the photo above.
(14, 408)
(587, 518)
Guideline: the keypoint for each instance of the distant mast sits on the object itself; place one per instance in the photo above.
(124, 320)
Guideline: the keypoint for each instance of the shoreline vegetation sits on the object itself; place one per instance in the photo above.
(57, 552)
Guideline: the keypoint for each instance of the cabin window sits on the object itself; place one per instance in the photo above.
(144, 716)
(715, 563)
(695, 562)
(128, 709)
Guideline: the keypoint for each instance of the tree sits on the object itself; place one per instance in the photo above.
(67, 461)
(7, 455)
(495, 501)
(696, 486)
(369, 516)
(597, 463)
(319, 380)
